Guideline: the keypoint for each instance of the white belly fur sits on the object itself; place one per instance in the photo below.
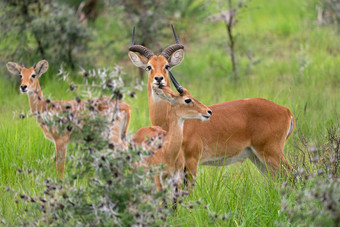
(248, 153)
(221, 161)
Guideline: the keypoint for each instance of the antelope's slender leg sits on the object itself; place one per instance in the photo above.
(191, 165)
(61, 148)
(272, 156)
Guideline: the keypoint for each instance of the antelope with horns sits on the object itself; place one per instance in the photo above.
(254, 129)
(42, 107)
(182, 107)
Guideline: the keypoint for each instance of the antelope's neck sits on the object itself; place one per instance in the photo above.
(158, 110)
(37, 101)
(174, 138)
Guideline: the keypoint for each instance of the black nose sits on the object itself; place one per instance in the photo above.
(209, 112)
(158, 78)
(23, 87)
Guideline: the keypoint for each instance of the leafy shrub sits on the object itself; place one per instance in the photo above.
(62, 26)
(329, 12)
(315, 196)
(324, 157)
(103, 185)
(330, 160)
(56, 32)
(318, 201)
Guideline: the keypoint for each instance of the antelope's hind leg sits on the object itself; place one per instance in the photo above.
(118, 129)
(271, 158)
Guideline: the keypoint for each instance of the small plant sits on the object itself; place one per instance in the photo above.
(330, 161)
(229, 17)
(317, 201)
(316, 194)
(325, 157)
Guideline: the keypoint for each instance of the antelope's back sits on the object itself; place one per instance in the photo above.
(237, 124)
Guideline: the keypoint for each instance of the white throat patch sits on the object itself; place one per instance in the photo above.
(155, 97)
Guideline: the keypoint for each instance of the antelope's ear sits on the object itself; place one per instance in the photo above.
(138, 60)
(14, 68)
(176, 58)
(164, 93)
(41, 67)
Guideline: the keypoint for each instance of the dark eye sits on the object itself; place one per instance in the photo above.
(188, 100)
(148, 68)
(167, 67)
(33, 76)
(20, 76)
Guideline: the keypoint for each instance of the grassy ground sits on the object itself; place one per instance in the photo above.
(294, 63)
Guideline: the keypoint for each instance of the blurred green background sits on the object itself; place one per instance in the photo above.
(285, 51)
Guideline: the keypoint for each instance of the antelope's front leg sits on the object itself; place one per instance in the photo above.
(158, 183)
(155, 159)
(61, 147)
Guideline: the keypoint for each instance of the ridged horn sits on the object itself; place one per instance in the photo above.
(34, 65)
(167, 52)
(23, 65)
(139, 48)
(178, 87)
(133, 37)
(175, 35)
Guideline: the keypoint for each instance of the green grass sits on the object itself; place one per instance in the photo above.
(238, 192)
(281, 34)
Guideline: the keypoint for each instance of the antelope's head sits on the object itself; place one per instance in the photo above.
(183, 104)
(29, 76)
(157, 66)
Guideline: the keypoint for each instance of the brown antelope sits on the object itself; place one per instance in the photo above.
(182, 107)
(42, 107)
(249, 128)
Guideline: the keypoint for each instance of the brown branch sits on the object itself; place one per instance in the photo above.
(228, 20)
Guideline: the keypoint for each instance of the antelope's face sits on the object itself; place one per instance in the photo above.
(157, 66)
(184, 105)
(29, 76)
(188, 107)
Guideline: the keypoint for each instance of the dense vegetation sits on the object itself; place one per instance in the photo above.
(286, 51)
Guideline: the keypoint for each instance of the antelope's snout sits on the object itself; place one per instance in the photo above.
(23, 88)
(159, 80)
(207, 116)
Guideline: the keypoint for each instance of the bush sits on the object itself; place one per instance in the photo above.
(315, 196)
(318, 201)
(56, 32)
(329, 12)
(103, 185)
(324, 157)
